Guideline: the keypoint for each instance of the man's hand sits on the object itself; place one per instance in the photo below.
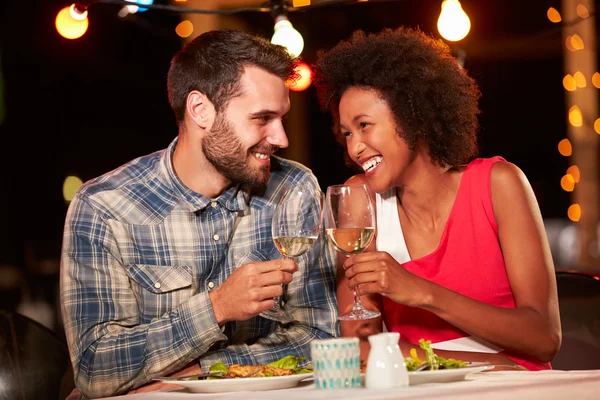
(250, 290)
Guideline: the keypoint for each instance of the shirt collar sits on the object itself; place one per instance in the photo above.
(235, 198)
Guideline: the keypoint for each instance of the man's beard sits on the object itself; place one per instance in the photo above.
(224, 150)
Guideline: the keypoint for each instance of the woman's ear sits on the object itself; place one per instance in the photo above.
(200, 109)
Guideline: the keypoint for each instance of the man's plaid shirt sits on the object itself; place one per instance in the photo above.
(141, 251)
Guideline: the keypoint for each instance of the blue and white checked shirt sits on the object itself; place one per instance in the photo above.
(141, 251)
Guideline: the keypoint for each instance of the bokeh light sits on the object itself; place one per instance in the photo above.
(184, 28)
(305, 78)
(569, 83)
(565, 148)
(554, 15)
(577, 42)
(574, 212)
(596, 79)
(579, 79)
(575, 117)
(70, 187)
(573, 170)
(567, 183)
(582, 11)
(568, 44)
(141, 3)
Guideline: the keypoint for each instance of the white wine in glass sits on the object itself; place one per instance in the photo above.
(295, 228)
(349, 219)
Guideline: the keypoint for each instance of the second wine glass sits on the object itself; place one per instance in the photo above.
(295, 228)
(349, 220)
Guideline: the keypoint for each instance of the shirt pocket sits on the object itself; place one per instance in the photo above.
(159, 289)
(257, 255)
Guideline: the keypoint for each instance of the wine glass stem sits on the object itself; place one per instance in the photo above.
(357, 302)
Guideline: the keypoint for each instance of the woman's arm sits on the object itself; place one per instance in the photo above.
(533, 326)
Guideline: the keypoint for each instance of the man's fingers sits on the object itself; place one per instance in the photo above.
(276, 265)
(275, 278)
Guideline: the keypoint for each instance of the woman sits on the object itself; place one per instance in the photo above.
(461, 256)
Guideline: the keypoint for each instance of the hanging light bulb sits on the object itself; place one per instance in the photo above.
(287, 36)
(453, 23)
(136, 8)
(72, 22)
(305, 79)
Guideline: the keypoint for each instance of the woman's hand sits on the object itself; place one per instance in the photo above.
(378, 272)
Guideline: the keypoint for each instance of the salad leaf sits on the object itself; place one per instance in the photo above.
(218, 367)
(288, 362)
(432, 358)
(306, 370)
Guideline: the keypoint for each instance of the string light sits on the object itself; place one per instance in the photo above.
(305, 78)
(71, 22)
(286, 35)
(453, 24)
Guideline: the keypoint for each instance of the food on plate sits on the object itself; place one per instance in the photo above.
(243, 371)
(287, 365)
(432, 361)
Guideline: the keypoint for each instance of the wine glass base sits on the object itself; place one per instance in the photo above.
(277, 314)
(358, 314)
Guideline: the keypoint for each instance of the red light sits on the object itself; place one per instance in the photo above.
(305, 78)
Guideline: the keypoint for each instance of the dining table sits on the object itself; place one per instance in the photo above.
(488, 385)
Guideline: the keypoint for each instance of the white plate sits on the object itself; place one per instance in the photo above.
(240, 384)
(446, 375)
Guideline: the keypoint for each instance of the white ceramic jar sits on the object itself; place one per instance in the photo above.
(386, 368)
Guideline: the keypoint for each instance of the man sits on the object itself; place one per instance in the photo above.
(168, 260)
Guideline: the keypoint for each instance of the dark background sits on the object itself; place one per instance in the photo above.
(86, 106)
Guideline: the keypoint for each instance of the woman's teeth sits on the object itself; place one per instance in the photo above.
(371, 164)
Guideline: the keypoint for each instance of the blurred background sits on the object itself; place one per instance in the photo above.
(77, 108)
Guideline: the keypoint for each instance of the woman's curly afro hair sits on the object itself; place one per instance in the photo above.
(434, 101)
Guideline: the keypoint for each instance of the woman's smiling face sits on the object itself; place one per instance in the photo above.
(372, 138)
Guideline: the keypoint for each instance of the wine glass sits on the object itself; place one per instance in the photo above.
(295, 228)
(349, 220)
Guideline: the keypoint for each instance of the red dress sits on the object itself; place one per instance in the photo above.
(468, 260)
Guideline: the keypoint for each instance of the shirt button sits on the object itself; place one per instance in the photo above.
(157, 285)
(216, 237)
(211, 285)
(213, 204)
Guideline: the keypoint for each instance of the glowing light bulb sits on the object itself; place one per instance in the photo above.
(305, 78)
(285, 35)
(71, 23)
(453, 24)
(134, 9)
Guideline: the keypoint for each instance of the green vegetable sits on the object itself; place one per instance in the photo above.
(287, 362)
(432, 358)
(218, 367)
(435, 362)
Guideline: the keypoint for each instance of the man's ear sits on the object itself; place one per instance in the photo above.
(200, 109)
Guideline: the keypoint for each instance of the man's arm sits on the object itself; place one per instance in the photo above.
(111, 350)
(311, 300)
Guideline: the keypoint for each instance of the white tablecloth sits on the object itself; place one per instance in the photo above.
(542, 385)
